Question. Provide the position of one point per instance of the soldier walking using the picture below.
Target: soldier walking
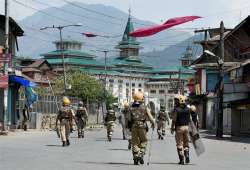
(26, 117)
(180, 124)
(81, 119)
(162, 118)
(64, 117)
(110, 121)
(139, 114)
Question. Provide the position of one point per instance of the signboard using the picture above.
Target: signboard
(4, 81)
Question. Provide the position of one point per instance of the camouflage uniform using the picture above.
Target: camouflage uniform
(81, 120)
(162, 118)
(139, 115)
(65, 117)
(110, 123)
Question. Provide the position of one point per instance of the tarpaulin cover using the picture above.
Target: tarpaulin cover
(144, 32)
(22, 81)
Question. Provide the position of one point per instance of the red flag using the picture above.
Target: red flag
(144, 32)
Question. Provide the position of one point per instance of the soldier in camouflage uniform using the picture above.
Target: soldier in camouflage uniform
(139, 114)
(110, 121)
(81, 119)
(162, 118)
(126, 113)
(64, 117)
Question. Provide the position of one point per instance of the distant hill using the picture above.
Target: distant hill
(171, 54)
(36, 42)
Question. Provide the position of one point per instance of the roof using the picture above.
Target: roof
(68, 40)
(69, 53)
(14, 27)
(27, 69)
(102, 72)
(171, 76)
(76, 61)
(131, 61)
(38, 63)
(174, 69)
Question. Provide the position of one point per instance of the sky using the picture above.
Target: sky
(157, 11)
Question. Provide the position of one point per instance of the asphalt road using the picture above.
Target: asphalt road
(37, 150)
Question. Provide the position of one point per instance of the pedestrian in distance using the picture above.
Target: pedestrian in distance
(110, 121)
(81, 119)
(162, 119)
(65, 117)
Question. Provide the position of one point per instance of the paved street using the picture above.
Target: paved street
(42, 150)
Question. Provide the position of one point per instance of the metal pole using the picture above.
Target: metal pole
(219, 132)
(62, 55)
(105, 68)
(5, 111)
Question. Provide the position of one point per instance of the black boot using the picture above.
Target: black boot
(67, 142)
(63, 144)
(136, 161)
(141, 160)
(181, 157)
(187, 159)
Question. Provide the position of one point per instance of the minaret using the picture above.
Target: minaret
(188, 57)
(128, 46)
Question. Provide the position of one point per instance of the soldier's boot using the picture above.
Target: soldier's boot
(163, 132)
(136, 161)
(129, 144)
(67, 142)
(141, 160)
(187, 159)
(181, 157)
(63, 143)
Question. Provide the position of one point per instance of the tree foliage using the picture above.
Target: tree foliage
(83, 86)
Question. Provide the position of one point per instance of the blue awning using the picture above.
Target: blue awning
(24, 82)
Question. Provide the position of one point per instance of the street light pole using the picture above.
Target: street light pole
(63, 61)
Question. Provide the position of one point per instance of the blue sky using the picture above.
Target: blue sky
(213, 11)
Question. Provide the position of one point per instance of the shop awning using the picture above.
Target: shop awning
(24, 82)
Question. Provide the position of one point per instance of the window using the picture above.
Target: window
(162, 102)
(127, 84)
(161, 91)
(170, 91)
(133, 84)
(153, 91)
(139, 89)
(120, 81)
(139, 85)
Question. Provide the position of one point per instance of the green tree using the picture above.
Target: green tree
(84, 87)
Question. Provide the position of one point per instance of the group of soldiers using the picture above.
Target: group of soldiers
(134, 120)
(65, 118)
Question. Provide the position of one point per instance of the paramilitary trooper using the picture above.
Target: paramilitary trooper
(162, 118)
(81, 119)
(194, 115)
(110, 121)
(127, 130)
(65, 116)
(180, 123)
(139, 114)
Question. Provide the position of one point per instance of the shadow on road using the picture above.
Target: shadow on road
(170, 163)
(105, 163)
(105, 139)
(118, 149)
(54, 145)
(211, 136)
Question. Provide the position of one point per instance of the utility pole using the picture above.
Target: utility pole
(63, 61)
(219, 131)
(5, 111)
